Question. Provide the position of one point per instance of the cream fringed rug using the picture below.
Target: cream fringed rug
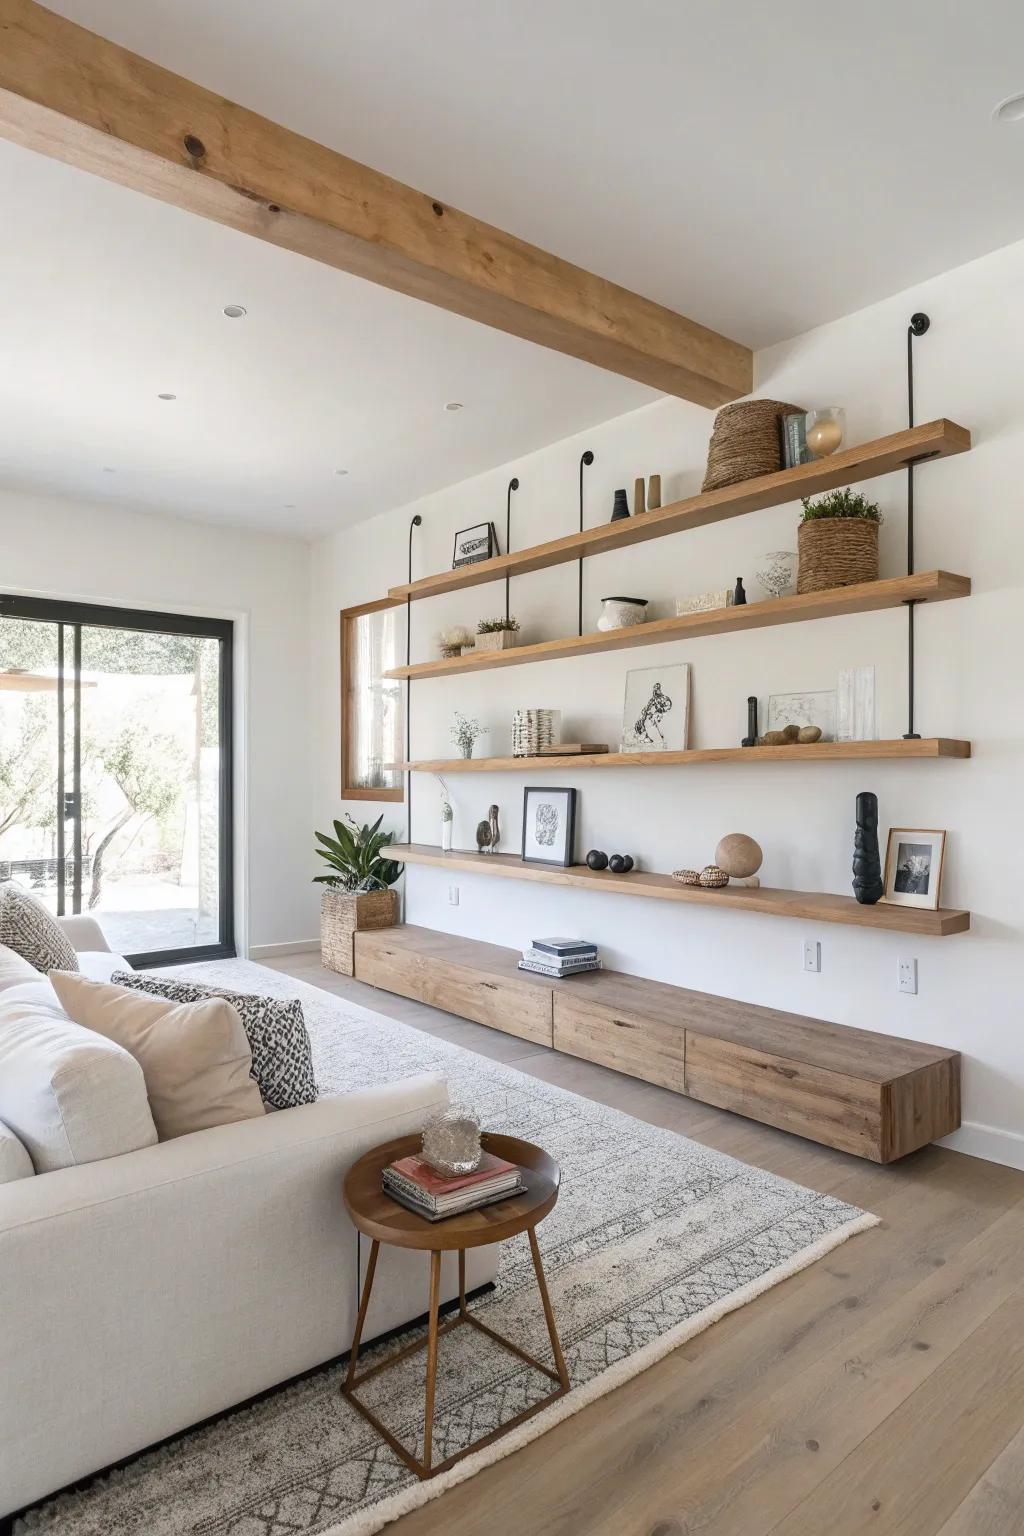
(653, 1238)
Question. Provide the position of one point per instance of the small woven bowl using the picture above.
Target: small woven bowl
(686, 876)
(712, 878)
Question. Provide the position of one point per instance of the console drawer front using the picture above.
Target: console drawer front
(830, 1107)
(627, 1042)
(518, 1008)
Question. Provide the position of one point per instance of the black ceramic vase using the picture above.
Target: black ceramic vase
(867, 867)
(620, 506)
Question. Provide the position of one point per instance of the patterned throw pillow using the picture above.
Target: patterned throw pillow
(282, 1061)
(28, 929)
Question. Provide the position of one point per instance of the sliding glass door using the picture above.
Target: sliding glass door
(116, 772)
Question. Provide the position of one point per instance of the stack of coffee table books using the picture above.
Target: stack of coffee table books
(420, 1188)
(559, 958)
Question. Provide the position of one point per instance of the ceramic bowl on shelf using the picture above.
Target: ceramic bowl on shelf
(622, 612)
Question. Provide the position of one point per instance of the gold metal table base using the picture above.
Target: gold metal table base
(425, 1468)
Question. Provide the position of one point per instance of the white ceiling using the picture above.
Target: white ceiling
(760, 168)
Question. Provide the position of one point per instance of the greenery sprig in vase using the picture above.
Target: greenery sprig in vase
(465, 733)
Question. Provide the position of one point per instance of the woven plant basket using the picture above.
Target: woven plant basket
(836, 552)
(342, 914)
(746, 441)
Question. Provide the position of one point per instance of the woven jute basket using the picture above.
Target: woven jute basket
(837, 552)
(746, 441)
(343, 913)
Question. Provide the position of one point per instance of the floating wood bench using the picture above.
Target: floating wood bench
(873, 1095)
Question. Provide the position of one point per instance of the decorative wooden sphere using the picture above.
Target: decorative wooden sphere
(712, 878)
(739, 855)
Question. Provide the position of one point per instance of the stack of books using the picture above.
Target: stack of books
(420, 1188)
(560, 957)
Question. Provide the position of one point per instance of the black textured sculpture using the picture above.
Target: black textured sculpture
(620, 506)
(867, 867)
(750, 739)
(596, 859)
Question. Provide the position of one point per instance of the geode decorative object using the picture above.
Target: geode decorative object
(451, 1141)
(867, 865)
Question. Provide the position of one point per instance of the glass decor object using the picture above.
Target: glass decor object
(824, 431)
(776, 572)
(451, 1141)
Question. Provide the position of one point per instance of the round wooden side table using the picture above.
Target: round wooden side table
(383, 1220)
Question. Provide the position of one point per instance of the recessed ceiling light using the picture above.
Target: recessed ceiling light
(108, 469)
(235, 311)
(1011, 110)
(289, 506)
(454, 405)
(341, 471)
(167, 397)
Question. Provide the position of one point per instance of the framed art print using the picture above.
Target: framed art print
(804, 709)
(913, 867)
(474, 544)
(656, 709)
(549, 826)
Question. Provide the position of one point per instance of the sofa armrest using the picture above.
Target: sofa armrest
(84, 933)
(146, 1292)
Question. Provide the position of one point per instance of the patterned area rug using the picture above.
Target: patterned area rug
(653, 1238)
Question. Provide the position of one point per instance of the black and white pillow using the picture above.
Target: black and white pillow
(32, 932)
(282, 1061)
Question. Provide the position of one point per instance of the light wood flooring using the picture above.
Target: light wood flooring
(880, 1391)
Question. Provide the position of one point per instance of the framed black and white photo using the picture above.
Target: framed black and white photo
(475, 544)
(913, 867)
(656, 711)
(549, 826)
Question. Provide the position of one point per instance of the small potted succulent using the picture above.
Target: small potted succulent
(838, 541)
(357, 892)
(497, 634)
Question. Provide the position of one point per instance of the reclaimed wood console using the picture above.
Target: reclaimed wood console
(874, 1095)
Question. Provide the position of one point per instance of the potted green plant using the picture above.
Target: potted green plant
(838, 541)
(496, 634)
(357, 892)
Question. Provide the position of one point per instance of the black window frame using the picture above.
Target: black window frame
(106, 616)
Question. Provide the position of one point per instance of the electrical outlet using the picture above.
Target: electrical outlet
(453, 895)
(907, 975)
(812, 955)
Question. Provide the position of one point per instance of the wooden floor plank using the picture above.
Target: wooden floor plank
(717, 1432)
(995, 1505)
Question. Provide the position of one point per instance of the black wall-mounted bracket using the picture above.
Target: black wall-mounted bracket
(919, 324)
(586, 460)
(513, 485)
(416, 522)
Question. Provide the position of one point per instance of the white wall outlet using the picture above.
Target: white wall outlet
(812, 954)
(453, 895)
(907, 975)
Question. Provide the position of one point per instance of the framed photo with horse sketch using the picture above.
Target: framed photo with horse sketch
(655, 716)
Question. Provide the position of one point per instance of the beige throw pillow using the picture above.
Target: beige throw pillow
(194, 1056)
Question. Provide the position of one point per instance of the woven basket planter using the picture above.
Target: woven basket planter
(497, 640)
(342, 914)
(836, 552)
(746, 441)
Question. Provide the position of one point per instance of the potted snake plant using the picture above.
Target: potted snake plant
(358, 890)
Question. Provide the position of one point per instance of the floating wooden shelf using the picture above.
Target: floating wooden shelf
(815, 906)
(866, 597)
(934, 440)
(813, 752)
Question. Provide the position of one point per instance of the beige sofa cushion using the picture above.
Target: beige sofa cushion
(195, 1056)
(14, 971)
(68, 1095)
(15, 1162)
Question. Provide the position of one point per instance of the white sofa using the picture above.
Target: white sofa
(143, 1293)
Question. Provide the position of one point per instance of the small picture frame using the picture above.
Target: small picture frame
(474, 544)
(913, 867)
(549, 826)
(656, 708)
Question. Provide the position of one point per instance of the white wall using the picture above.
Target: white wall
(57, 548)
(970, 519)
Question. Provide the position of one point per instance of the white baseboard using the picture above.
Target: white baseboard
(989, 1142)
(272, 951)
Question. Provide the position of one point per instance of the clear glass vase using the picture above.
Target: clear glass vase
(446, 834)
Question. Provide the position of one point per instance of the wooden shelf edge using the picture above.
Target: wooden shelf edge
(865, 461)
(816, 906)
(865, 597)
(927, 747)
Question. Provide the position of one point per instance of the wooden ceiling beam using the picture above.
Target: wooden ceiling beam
(72, 95)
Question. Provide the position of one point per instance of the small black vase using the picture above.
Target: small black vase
(867, 868)
(620, 506)
(739, 595)
(750, 739)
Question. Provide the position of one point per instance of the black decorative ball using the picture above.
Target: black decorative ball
(617, 864)
(627, 863)
(596, 859)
